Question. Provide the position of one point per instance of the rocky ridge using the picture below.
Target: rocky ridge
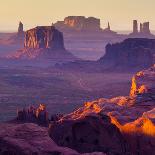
(132, 53)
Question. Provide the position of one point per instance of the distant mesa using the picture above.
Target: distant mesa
(133, 53)
(79, 23)
(44, 42)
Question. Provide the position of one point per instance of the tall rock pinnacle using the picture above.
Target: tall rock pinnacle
(20, 30)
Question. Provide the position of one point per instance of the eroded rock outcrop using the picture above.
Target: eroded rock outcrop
(130, 54)
(33, 115)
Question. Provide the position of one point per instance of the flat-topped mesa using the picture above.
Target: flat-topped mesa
(46, 37)
(79, 23)
(83, 23)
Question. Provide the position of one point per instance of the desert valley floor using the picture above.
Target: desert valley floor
(62, 91)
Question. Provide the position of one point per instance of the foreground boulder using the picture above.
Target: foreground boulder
(89, 134)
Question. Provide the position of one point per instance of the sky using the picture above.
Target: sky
(119, 13)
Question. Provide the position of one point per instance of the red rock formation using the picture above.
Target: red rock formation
(34, 115)
(44, 37)
(44, 43)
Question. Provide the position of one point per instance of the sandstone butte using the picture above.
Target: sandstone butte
(43, 43)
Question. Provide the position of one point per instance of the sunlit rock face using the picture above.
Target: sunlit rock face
(134, 53)
(44, 37)
(92, 133)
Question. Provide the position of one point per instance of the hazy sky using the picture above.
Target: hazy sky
(119, 13)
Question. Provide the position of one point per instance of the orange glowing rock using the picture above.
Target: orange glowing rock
(41, 108)
(142, 89)
(133, 90)
(140, 74)
(142, 125)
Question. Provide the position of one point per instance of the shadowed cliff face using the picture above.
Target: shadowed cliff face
(44, 37)
(131, 53)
